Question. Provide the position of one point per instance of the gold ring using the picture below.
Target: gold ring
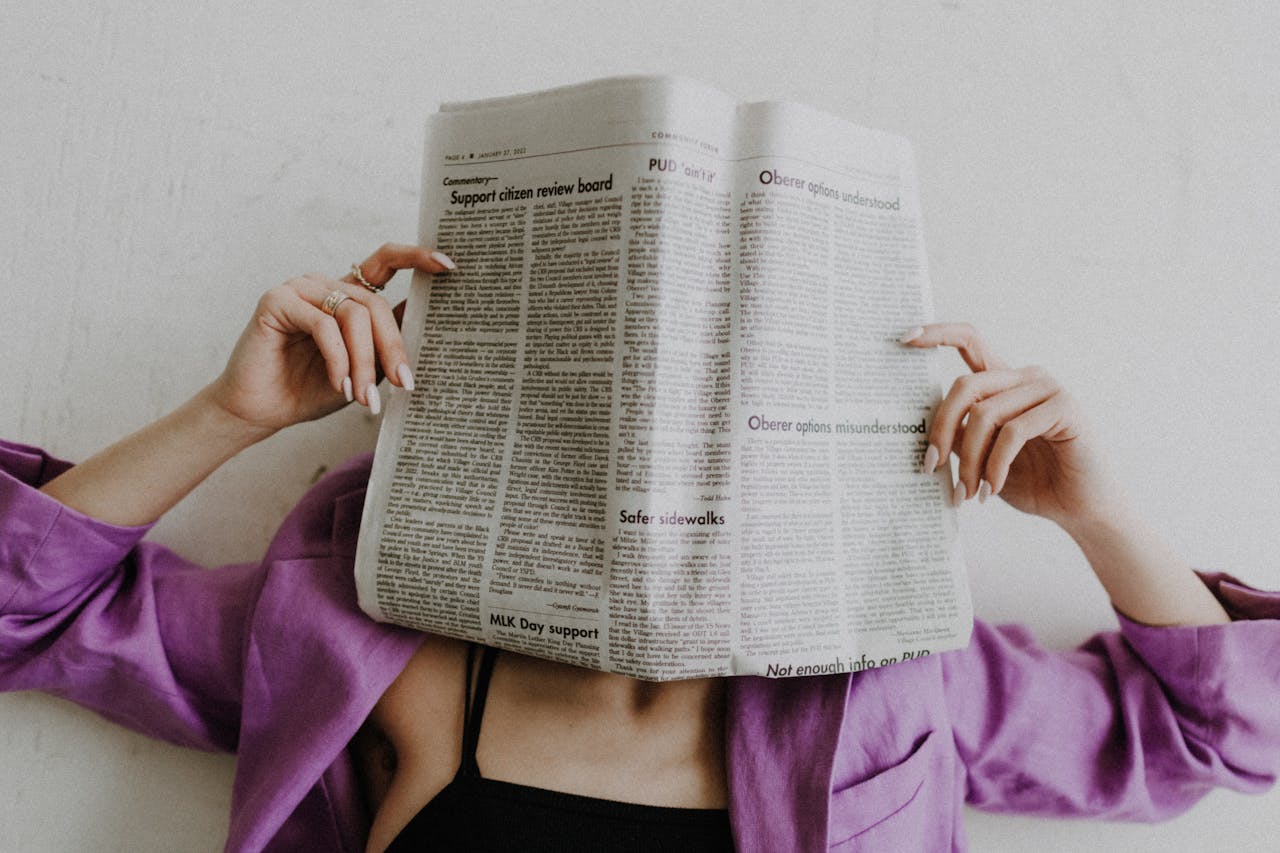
(364, 282)
(332, 301)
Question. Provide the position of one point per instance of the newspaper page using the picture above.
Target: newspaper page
(662, 426)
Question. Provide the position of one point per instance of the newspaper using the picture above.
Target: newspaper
(662, 425)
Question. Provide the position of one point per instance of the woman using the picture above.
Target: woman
(355, 735)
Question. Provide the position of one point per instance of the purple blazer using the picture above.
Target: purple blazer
(276, 662)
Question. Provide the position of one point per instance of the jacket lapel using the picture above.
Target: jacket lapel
(314, 667)
(781, 736)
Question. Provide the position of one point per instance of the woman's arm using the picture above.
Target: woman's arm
(132, 629)
(137, 479)
(1017, 434)
(294, 362)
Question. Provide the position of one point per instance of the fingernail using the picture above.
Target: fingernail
(406, 377)
(930, 459)
(346, 388)
(908, 337)
(375, 402)
(984, 491)
(961, 492)
(444, 260)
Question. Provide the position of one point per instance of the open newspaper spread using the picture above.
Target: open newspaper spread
(662, 425)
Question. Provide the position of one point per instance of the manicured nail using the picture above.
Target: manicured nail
(375, 402)
(444, 260)
(346, 388)
(908, 337)
(406, 377)
(960, 494)
(930, 459)
(984, 491)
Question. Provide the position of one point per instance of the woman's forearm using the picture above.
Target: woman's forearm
(1145, 579)
(139, 478)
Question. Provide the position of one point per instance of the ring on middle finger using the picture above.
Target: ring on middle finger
(332, 301)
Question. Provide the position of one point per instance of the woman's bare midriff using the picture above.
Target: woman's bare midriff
(545, 724)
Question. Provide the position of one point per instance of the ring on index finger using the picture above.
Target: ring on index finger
(364, 282)
(332, 301)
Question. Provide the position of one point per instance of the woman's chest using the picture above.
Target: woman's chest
(535, 730)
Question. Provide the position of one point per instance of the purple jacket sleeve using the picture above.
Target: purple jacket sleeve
(129, 629)
(1136, 724)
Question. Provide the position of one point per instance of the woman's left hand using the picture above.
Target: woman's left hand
(1016, 433)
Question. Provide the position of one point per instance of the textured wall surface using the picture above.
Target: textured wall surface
(1101, 187)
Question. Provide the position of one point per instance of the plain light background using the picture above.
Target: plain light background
(1100, 182)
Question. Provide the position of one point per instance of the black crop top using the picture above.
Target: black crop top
(473, 813)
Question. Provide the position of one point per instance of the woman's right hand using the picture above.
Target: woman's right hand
(295, 362)
(292, 363)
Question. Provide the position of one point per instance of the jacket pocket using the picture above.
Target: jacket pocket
(869, 803)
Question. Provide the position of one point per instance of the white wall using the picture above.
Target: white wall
(1101, 189)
